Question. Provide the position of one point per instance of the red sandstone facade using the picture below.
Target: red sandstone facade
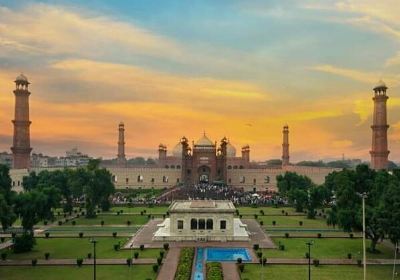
(285, 146)
(121, 159)
(379, 152)
(21, 148)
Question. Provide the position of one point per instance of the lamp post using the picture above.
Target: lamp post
(93, 241)
(395, 259)
(364, 196)
(309, 244)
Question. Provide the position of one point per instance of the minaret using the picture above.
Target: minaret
(379, 152)
(121, 159)
(21, 148)
(285, 146)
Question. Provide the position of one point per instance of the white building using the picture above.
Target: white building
(202, 220)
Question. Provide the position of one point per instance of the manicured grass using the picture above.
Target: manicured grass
(104, 272)
(110, 220)
(326, 272)
(137, 209)
(268, 210)
(73, 231)
(325, 248)
(71, 248)
(293, 221)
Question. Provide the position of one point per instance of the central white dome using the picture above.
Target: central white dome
(204, 141)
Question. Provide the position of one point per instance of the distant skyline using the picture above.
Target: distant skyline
(240, 69)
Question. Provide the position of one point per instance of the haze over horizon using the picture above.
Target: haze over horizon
(232, 68)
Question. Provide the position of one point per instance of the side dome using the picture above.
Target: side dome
(230, 150)
(177, 150)
(204, 141)
(21, 79)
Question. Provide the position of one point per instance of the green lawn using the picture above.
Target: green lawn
(268, 210)
(324, 248)
(110, 220)
(137, 209)
(73, 231)
(104, 272)
(293, 221)
(71, 248)
(326, 272)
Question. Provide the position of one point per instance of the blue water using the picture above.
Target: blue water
(227, 254)
(199, 265)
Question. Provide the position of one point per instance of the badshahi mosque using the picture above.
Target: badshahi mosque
(201, 161)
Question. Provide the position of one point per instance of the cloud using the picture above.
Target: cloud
(357, 75)
(55, 30)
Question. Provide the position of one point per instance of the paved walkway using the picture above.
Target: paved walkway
(230, 271)
(257, 234)
(6, 244)
(73, 262)
(168, 269)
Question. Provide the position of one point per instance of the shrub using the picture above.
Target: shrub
(45, 222)
(117, 213)
(316, 262)
(237, 212)
(300, 223)
(117, 247)
(3, 256)
(47, 234)
(23, 243)
(144, 211)
(121, 211)
(239, 260)
(79, 262)
(273, 223)
(58, 213)
(241, 267)
(283, 211)
(2, 239)
(128, 223)
(114, 234)
(34, 262)
(80, 234)
(307, 255)
(286, 213)
(13, 234)
(166, 246)
(162, 254)
(141, 213)
(261, 223)
(264, 261)
(262, 212)
(129, 261)
(319, 235)
(47, 255)
(240, 216)
(73, 223)
(351, 235)
(286, 234)
(282, 247)
(65, 215)
(359, 263)
(214, 271)
(102, 223)
(141, 247)
(155, 267)
(59, 223)
(89, 255)
(163, 216)
(349, 256)
(136, 254)
(66, 220)
(255, 216)
(159, 261)
(259, 254)
(184, 269)
(256, 247)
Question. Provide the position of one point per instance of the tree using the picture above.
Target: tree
(7, 215)
(295, 187)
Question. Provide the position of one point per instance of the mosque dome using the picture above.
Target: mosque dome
(204, 141)
(177, 150)
(22, 78)
(380, 84)
(230, 150)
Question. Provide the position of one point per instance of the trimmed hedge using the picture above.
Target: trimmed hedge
(214, 271)
(184, 269)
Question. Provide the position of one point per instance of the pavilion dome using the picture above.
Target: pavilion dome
(204, 141)
(177, 150)
(21, 78)
(230, 150)
(380, 84)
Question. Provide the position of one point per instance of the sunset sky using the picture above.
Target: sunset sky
(240, 69)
